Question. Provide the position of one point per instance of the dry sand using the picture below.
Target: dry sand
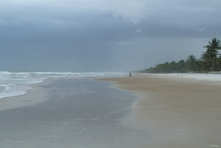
(180, 112)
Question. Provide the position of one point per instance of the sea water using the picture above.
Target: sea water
(18, 83)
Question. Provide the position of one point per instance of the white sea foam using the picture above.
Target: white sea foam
(17, 83)
(197, 76)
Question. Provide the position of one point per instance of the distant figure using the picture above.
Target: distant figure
(130, 74)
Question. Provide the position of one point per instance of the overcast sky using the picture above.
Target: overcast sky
(103, 35)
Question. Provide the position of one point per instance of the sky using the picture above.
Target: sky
(103, 35)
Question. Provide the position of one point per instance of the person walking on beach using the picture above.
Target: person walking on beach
(130, 74)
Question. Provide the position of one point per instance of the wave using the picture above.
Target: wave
(17, 83)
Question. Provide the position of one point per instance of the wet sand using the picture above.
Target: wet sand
(179, 112)
(34, 96)
(71, 113)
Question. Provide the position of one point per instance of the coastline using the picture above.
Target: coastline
(77, 113)
(170, 111)
(31, 97)
(182, 112)
(37, 94)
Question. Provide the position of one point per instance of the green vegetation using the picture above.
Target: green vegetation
(209, 61)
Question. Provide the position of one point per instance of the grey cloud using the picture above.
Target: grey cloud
(105, 15)
(103, 34)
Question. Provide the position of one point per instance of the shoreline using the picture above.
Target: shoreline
(182, 112)
(37, 94)
(78, 113)
(173, 111)
(31, 97)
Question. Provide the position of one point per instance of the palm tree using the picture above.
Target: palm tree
(206, 60)
(191, 63)
(212, 48)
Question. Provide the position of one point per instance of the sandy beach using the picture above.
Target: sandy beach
(142, 111)
(181, 112)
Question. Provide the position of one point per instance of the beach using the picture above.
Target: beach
(70, 113)
(145, 110)
(182, 112)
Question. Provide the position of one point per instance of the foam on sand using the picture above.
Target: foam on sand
(33, 96)
(197, 76)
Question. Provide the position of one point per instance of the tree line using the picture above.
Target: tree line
(210, 60)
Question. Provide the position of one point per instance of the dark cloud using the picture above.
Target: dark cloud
(89, 35)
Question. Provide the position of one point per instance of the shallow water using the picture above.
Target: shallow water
(80, 113)
(17, 83)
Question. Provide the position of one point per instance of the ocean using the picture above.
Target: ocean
(17, 83)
